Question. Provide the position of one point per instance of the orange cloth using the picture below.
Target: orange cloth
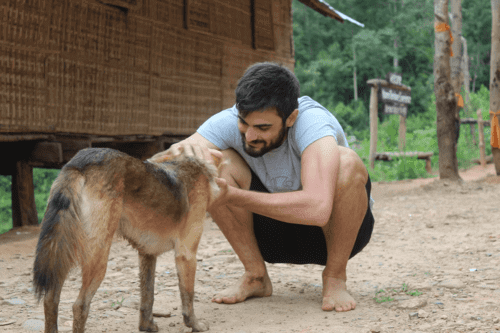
(460, 100)
(495, 130)
(441, 27)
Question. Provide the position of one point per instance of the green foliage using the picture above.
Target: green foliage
(42, 179)
(382, 295)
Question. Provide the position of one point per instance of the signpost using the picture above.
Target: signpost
(396, 97)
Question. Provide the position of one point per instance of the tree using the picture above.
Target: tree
(445, 96)
(495, 80)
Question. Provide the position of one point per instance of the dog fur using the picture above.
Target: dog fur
(157, 207)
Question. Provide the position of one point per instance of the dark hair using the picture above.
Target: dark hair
(266, 85)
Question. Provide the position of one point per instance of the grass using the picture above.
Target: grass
(383, 296)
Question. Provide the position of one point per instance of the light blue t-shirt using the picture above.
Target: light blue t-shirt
(279, 169)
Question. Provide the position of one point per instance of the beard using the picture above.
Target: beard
(258, 152)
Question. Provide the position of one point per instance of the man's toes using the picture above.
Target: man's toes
(327, 305)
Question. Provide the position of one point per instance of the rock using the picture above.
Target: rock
(413, 315)
(452, 284)
(487, 286)
(131, 303)
(115, 314)
(422, 314)
(5, 323)
(415, 303)
(439, 304)
(34, 325)
(423, 286)
(375, 330)
(162, 314)
(15, 301)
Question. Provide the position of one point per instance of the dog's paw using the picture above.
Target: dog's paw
(148, 327)
(200, 326)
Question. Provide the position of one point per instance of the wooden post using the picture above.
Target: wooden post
(373, 124)
(402, 133)
(23, 196)
(482, 149)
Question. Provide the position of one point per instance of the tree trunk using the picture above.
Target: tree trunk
(456, 61)
(446, 103)
(495, 73)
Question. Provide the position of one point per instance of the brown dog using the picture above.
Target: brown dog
(155, 206)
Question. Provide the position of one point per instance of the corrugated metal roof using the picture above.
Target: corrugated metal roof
(322, 7)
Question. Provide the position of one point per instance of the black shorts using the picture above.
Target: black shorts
(281, 242)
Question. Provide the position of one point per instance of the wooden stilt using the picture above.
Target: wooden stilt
(23, 196)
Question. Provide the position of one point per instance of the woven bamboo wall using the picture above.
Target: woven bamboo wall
(81, 66)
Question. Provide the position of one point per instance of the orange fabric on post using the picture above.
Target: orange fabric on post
(441, 27)
(460, 100)
(495, 130)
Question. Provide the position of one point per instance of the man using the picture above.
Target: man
(292, 190)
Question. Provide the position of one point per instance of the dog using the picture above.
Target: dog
(156, 206)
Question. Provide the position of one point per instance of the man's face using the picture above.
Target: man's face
(262, 132)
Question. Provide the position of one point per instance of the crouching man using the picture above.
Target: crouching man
(292, 190)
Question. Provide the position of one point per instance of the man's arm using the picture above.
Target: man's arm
(194, 145)
(310, 206)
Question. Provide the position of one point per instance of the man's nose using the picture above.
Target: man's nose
(251, 135)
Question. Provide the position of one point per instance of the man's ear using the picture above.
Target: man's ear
(291, 118)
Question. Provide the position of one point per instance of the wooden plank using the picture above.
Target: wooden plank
(486, 123)
(24, 137)
(387, 156)
(384, 83)
(401, 110)
(47, 152)
(71, 147)
(389, 95)
(23, 196)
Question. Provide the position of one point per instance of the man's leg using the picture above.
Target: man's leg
(237, 225)
(349, 209)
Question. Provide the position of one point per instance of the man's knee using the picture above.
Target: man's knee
(352, 169)
(235, 169)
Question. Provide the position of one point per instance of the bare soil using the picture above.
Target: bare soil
(433, 265)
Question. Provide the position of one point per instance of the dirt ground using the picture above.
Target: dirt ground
(433, 265)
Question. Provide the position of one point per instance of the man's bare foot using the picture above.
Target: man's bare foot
(247, 286)
(335, 295)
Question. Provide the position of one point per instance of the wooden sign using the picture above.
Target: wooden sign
(401, 109)
(395, 78)
(395, 96)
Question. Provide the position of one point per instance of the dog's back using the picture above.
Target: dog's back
(155, 206)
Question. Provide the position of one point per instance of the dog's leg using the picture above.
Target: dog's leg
(92, 275)
(186, 270)
(51, 309)
(147, 267)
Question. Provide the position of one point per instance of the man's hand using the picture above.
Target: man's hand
(187, 148)
(224, 194)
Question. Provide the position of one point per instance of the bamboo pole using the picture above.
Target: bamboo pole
(373, 124)
(482, 149)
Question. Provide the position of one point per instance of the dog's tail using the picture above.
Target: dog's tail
(62, 240)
